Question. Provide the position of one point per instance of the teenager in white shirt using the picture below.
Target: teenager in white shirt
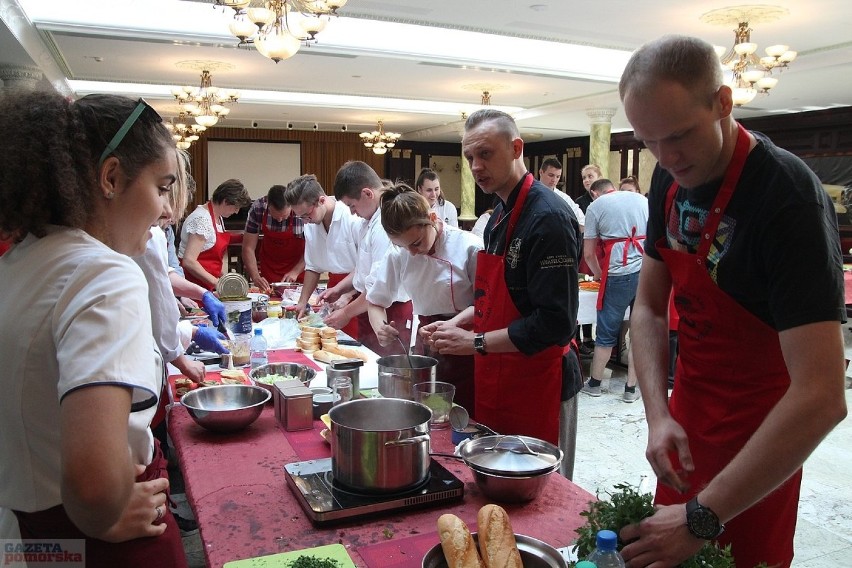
(429, 186)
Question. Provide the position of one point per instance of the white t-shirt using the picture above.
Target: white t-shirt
(581, 218)
(334, 251)
(73, 313)
(374, 246)
(441, 283)
(199, 223)
(613, 216)
(446, 213)
(154, 263)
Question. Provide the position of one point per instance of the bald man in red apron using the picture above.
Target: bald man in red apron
(759, 378)
(525, 290)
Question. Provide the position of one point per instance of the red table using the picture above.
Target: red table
(236, 486)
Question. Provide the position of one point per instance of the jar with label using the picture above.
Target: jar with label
(273, 310)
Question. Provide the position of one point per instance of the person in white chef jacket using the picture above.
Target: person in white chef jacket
(360, 188)
(332, 234)
(429, 186)
(436, 264)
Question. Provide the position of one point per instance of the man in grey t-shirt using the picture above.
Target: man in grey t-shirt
(613, 247)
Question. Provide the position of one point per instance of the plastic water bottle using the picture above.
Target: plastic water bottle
(606, 555)
(585, 564)
(257, 349)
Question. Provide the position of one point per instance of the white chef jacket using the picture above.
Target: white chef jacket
(440, 283)
(374, 247)
(334, 251)
(581, 217)
(154, 263)
(446, 213)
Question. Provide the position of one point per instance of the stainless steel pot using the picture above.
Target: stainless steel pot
(399, 373)
(509, 456)
(380, 445)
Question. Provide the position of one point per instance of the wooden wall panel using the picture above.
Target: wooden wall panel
(322, 153)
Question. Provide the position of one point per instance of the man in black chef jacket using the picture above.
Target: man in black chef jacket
(526, 292)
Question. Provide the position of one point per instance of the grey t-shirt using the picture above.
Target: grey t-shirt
(614, 216)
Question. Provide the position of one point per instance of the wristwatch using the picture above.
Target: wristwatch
(701, 521)
(479, 343)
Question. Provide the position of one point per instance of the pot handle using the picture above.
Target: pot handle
(408, 441)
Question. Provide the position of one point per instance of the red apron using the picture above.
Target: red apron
(211, 259)
(351, 328)
(163, 550)
(730, 374)
(455, 369)
(604, 252)
(515, 393)
(279, 251)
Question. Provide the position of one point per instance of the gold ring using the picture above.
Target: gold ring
(159, 513)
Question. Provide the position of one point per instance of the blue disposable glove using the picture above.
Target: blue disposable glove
(214, 308)
(208, 339)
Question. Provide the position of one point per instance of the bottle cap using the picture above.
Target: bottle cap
(585, 564)
(258, 331)
(606, 540)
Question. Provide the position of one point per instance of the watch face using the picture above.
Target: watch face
(703, 523)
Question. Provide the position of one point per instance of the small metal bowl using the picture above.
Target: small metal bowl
(534, 554)
(300, 372)
(225, 408)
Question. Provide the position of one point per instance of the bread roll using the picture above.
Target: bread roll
(328, 333)
(459, 548)
(497, 539)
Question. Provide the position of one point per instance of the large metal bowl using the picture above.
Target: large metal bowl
(511, 489)
(296, 370)
(225, 408)
(534, 554)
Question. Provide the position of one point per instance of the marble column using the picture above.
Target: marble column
(601, 128)
(468, 193)
(19, 76)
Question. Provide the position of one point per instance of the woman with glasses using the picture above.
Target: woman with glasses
(81, 183)
(436, 264)
(429, 186)
(203, 238)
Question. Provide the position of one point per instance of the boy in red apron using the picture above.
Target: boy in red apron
(525, 290)
(759, 378)
(280, 256)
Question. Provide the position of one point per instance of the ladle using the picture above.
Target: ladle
(404, 350)
(460, 419)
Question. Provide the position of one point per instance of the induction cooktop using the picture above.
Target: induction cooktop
(325, 501)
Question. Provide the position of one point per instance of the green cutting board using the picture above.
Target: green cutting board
(335, 552)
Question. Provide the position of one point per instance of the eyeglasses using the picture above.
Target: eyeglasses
(141, 106)
(307, 216)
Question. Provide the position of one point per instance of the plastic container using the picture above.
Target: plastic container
(585, 564)
(257, 349)
(606, 554)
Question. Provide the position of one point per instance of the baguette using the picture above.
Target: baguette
(497, 539)
(347, 352)
(326, 357)
(457, 544)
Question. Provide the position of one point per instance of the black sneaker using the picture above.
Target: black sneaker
(188, 527)
(586, 351)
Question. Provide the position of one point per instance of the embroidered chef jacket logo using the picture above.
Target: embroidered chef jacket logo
(514, 253)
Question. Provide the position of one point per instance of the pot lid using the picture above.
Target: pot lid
(232, 285)
(510, 455)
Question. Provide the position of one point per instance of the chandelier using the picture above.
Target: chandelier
(278, 27)
(184, 132)
(750, 74)
(378, 140)
(206, 103)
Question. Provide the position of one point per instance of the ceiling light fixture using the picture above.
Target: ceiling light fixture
(277, 28)
(378, 140)
(750, 74)
(206, 103)
(183, 132)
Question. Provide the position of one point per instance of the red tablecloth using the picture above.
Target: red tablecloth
(847, 283)
(235, 484)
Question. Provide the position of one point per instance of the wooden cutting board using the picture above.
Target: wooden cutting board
(335, 552)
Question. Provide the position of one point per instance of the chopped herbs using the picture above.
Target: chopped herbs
(313, 562)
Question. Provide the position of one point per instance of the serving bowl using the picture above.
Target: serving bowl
(297, 371)
(534, 554)
(225, 408)
(511, 489)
